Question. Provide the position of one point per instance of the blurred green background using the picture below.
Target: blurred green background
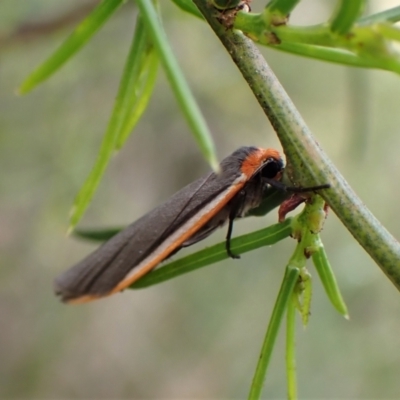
(199, 335)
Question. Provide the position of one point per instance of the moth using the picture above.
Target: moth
(187, 217)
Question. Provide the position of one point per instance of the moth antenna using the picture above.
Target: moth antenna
(284, 188)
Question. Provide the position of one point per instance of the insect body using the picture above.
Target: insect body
(187, 217)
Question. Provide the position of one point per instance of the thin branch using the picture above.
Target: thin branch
(309, 165)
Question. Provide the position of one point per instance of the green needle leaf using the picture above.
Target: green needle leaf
(178, 83)
(306, 294)
(284, 298)
(327, 277)
(122, 108)
(213, 254)
(391, 15)
(291, 348)
(86, 29)
(140, 94)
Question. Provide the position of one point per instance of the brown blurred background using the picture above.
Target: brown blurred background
(197, 336)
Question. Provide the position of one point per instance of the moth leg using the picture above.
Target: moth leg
(237, 206)
(228, 239)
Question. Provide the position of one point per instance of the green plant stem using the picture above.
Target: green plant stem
(389, 31)
(363, 47)
(338, 56)
(284, 297)
(345, 15)
(309, 165)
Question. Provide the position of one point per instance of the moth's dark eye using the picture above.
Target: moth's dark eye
(271, 168)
